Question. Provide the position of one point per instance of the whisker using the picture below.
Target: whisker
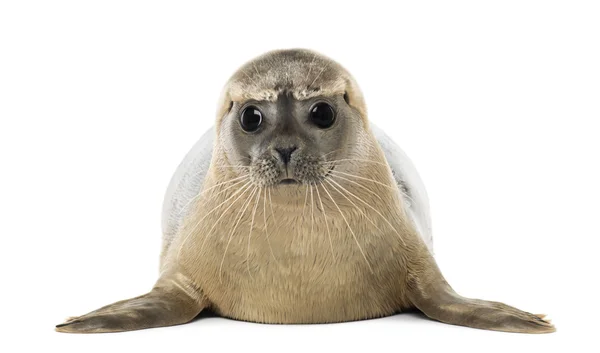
(323, 69)
(278, 225)
(339, 149)
(305, 199)
(221, 216)
(326, 223)
(239, 218)
(297, 235)
(312, 215)
(353, 204)
(357, 160)
(273, 212)
(243, 177)
(206, 215)
(251, 79)
(250, 233)
(359, 185)
(349, 228)
(371, 207)
(366, 179)
(266, 230)
(346, 145)
(310, 68)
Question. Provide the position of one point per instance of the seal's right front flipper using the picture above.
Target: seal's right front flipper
(163, 306)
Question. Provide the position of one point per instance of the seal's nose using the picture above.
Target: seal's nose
(286, 153)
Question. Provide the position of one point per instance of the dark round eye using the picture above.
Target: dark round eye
(322, 115)
(251, 119)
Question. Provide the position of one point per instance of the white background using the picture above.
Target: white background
(497, 103)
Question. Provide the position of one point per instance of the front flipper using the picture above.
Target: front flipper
(165, 305)
(431, 294)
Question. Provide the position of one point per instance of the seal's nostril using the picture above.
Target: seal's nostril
(286, 153)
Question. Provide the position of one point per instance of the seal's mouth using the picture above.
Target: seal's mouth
(329, 171)
(294, 181)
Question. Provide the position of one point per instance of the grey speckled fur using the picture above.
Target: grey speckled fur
(189, 176)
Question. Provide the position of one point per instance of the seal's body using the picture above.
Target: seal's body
(295, 209)
(302, 256)
(188, 180)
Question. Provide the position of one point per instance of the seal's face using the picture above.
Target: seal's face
(288, 141)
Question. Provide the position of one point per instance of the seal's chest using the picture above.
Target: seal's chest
(300, 240)
(266, 267)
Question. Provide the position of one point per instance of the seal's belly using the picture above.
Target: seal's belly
(303, 275)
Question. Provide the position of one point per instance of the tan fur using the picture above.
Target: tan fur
(300, 254)
(295, 285)
(303, 73)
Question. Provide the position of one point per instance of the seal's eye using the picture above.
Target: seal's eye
(322, 115)
(251, 119)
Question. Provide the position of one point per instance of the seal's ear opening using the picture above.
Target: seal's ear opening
(230, 106)
(346, 98)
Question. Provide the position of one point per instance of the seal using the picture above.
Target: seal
(295, 209)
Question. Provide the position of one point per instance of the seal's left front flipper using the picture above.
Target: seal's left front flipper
(430, 293)
(163, 306)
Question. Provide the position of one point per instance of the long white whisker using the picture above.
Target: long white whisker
(239, 218)
(353, 204)
(323, 69)
(372, 208)
(250, 232)
(366, 179)
(266, 230)
(312, 214)
(305, 199)
(349, 228)
(359, 185)
(296, 236)
(243, 177)
(310, 68)
(345, 147)
(222, 215)
(206, 215)
(326, 223)
(251, 79)
(278, 225)
(272, 212)
(357, 160)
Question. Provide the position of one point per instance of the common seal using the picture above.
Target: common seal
(295, 209)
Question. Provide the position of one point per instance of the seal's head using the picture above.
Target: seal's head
(287, 115)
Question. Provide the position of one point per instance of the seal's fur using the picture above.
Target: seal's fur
(346, 242)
